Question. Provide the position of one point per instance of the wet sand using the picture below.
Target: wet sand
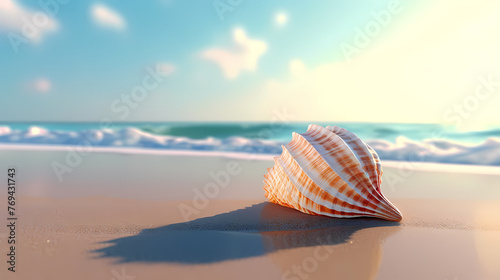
(124, 217)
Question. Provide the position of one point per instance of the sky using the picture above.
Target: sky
(237, 60)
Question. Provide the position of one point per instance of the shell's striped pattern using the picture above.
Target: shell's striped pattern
(329, 171)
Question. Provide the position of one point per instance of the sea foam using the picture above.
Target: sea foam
(403, 149)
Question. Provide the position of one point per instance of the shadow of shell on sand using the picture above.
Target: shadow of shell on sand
(343, 249)
(285, 235)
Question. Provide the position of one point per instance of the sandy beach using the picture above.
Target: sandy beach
(249, 140)
(153, 216)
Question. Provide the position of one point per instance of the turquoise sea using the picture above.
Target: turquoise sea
(393, 141)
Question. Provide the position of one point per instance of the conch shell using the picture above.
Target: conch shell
(331, 172)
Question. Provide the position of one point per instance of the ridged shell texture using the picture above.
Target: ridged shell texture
(329, 171)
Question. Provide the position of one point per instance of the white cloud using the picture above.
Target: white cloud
(415, 72)
(281, 19)
(32, 25)
(42, 85)
(106, 17)
(244, 57)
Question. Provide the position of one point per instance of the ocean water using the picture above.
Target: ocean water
(403, 142)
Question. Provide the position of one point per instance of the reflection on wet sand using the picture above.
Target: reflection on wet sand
(340, 249)
(358, 257)
(487, 242)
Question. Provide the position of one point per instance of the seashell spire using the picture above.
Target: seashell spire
(329, 171)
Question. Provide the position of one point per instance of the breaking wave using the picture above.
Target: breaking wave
(402, 149)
